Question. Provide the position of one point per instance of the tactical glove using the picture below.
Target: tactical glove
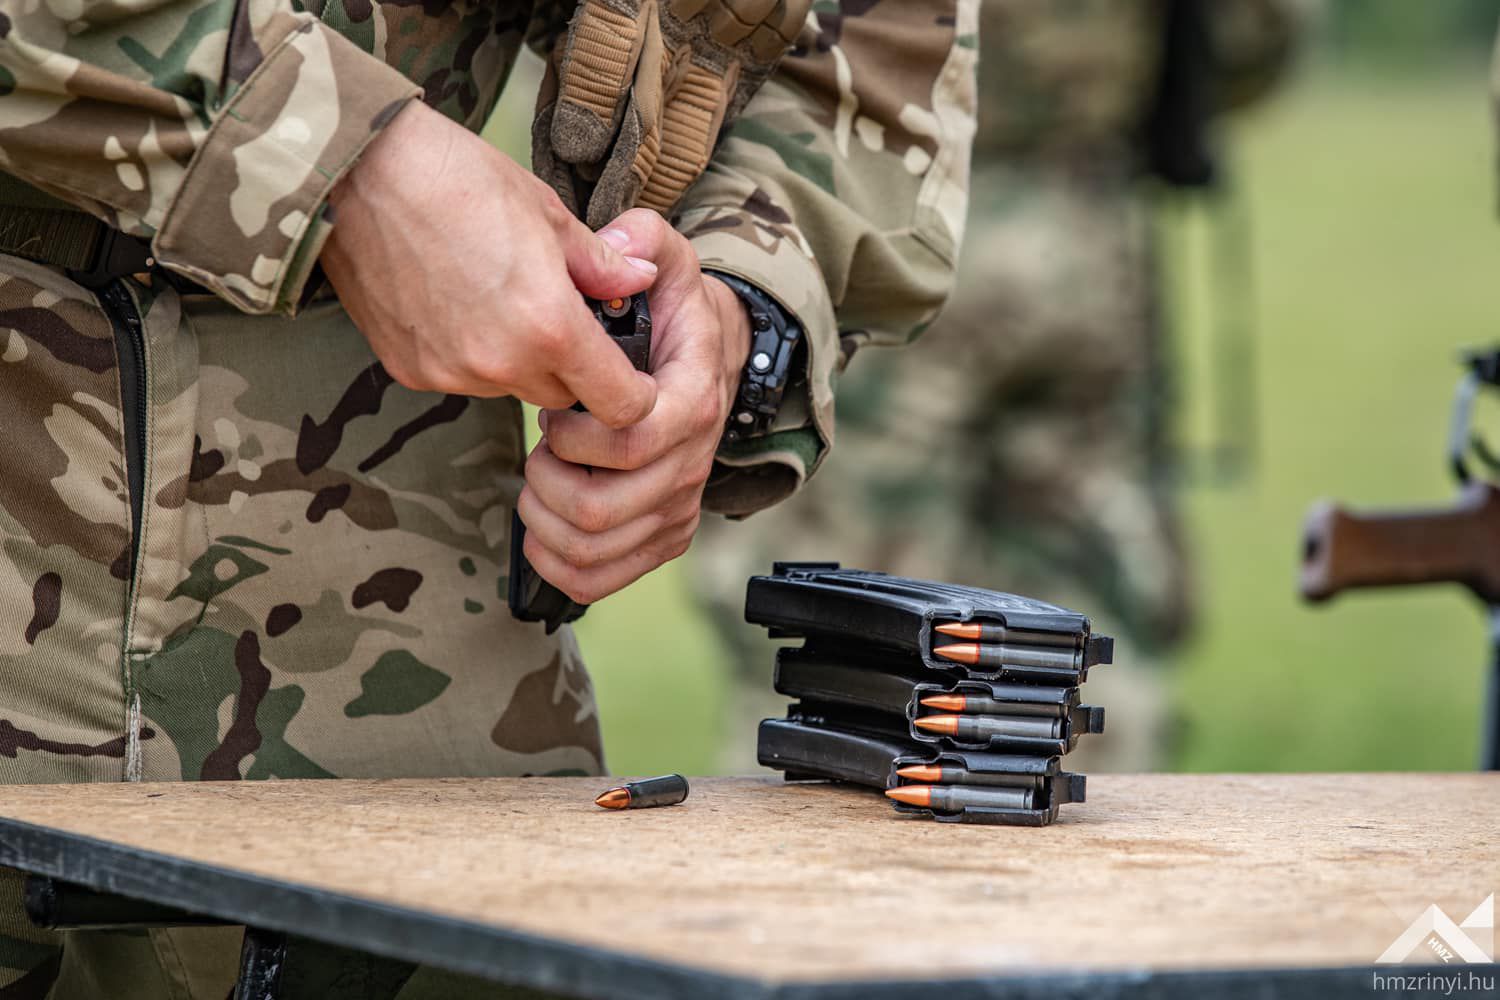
(637, 92)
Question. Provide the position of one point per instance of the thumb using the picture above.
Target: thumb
(598, 268)
(645, 234)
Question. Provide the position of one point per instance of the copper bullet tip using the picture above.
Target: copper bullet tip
(962, 630)
(961, 652)
(921, 772)
(945, 724)
(946, 702)
(614, 798)
(912, 795)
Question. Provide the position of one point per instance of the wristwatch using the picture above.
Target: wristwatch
(775, 337)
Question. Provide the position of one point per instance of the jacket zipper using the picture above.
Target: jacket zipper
(130, 347)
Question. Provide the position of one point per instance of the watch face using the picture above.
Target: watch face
(769, 367)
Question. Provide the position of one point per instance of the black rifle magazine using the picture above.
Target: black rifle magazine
(890, 684)
(880, 696)
(1023, 736)
(873, 679)
(1016, 723)
(1053, 787)
(806, 751)
(853, 609)
(529, 596)
(848, 719)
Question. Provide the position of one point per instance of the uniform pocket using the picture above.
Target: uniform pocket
(65, 532)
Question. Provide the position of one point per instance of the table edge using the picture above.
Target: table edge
(507, 955)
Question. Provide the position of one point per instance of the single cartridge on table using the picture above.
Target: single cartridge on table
(667, 790)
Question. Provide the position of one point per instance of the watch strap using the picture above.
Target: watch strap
(775, 336)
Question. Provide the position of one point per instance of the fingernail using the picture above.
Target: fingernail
(618, 239)
(642, 265)
(541, 420)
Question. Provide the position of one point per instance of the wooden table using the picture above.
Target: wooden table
(1158, 886)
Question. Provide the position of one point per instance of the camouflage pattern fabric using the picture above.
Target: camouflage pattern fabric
(877, 99)
(320, 579)
(217, 127)
(316, 588)
(1016, 445)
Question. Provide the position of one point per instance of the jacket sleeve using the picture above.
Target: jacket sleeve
(214, 128)
(841, 193)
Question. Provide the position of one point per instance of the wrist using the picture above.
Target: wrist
(386, 165)
(734, 324)
(377, 155)
(775, 354)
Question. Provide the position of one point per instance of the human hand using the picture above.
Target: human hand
(603, 506)
(463, 271)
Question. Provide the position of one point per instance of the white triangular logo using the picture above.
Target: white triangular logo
(1437, 930)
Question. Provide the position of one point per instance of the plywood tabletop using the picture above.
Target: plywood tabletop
(770, 882)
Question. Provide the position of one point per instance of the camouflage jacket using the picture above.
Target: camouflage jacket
(1076, 80)
(216, 128)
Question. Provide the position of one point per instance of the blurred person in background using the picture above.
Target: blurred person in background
(1019, 445)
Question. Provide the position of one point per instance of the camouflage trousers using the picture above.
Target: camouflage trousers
(316, 588)
(1011, 447)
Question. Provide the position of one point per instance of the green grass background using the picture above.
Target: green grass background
(1376, 256)
(1375, 249)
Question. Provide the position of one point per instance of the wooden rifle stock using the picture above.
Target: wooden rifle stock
(1344, 549)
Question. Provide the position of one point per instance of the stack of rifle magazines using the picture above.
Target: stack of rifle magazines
(960, 701)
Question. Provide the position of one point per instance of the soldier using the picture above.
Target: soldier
(1016, 445)
(252, 528)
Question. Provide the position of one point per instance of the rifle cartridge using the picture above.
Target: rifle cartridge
(978, 704)
(993, 657)
(976, 632)
(667, 790)
(957, 798)
(947, 774)
(982, 728)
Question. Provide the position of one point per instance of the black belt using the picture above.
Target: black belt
(41, 228)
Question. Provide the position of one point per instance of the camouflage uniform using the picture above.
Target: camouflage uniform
(1016, 445)
(317, 584)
